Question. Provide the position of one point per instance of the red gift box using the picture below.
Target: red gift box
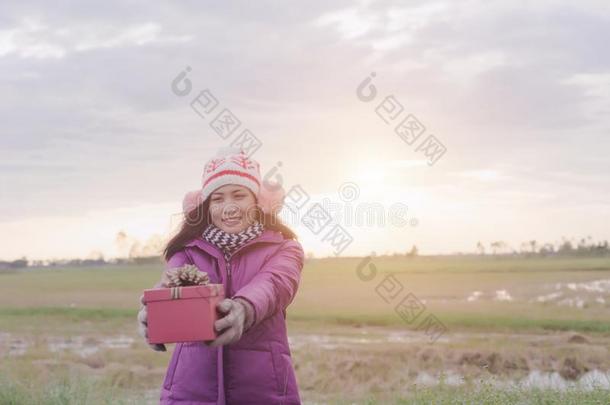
(182, 314)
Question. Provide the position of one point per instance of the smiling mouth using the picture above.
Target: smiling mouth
(232, 220)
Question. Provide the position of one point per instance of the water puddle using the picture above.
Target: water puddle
(331, 342)
(88, 346)
(497, 295)
(83, 346)
(594, 379)
(577, 295)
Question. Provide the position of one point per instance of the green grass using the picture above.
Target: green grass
(459, 396)
(76, 390)
(14, 316)
(331, 291)
(487, 394)
(69, 314)
(79, 390)
(456, 322)
(66, 320)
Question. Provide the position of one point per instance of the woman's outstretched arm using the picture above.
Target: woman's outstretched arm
(273, 288)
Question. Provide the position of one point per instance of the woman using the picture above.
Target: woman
(231, 231)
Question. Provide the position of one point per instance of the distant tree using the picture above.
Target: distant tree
(135, 250)
(582, 247)
(533, 245)
(123, 243)
(413, 252)
(524, 247)
(497, 246)
(95, 255)
(547, 249)
(19, 263)
(480, 248)
(565, 247)
(145, 259)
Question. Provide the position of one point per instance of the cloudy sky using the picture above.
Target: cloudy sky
(94, 140)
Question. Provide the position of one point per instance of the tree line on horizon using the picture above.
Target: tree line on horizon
(565, 247)
(585, 247)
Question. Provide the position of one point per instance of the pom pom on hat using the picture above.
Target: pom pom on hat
(191, 200)
(271, 197)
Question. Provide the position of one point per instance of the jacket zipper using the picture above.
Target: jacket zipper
(228, 265)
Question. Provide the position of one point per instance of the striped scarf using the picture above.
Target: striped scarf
(229, 242)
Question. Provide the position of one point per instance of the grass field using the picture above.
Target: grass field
(514, 330)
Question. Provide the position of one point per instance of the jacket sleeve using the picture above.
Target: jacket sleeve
(273, 288)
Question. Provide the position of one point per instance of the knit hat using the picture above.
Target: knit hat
(230, 166)
(233, 166)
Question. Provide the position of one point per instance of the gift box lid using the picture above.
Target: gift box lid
(183, 292)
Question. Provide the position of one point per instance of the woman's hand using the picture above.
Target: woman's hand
(233, 324)
(143, 327)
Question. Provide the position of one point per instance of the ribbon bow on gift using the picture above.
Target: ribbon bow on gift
(187, 275)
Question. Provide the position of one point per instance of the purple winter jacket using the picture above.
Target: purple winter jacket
(257, 369)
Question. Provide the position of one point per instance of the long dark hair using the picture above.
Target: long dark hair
(197, 219)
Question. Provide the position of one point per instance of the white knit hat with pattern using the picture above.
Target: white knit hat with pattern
(230, 166)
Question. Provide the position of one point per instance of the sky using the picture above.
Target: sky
(94, 141)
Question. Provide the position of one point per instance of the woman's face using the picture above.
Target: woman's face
(232, 208)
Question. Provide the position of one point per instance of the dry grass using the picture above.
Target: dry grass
(345, 337)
